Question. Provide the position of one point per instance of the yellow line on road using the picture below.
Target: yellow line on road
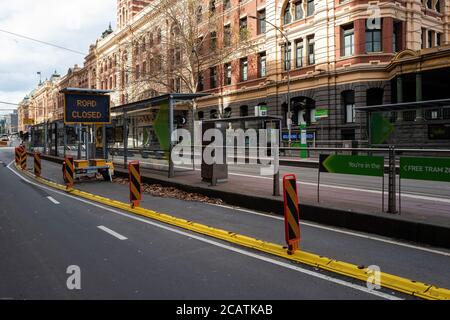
(414, 288)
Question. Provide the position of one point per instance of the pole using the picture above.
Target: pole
(80, 137)
(125, 140)
(392, 178)
(104, 143)
(171, 167)
(65, 139)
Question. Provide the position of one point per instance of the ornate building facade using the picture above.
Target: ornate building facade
(303, 56)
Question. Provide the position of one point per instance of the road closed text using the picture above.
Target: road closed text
(87, 109)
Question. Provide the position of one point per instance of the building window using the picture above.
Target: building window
(213, 114)
(226, 4)
(299, 13)
(348, 98)
(409, 115)
(311, 50)
(373, 39)
(262, 21)
(438, 39)
(287, 56)
(138, 73)
(262, 65)
(243, 31)
(201, 115)
(430, 39)
(200, 83)
(244, 69)
(213, 40)
(228, 74)
(227, 112)
(287, 17)
(213, 77)
(348, 34)
(396, 37)
(199, 14)
(299, 53)
(177, 85)
(227, 35)
(243, 111)
(212, 6)
(310, 8)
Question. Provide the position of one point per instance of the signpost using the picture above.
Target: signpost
(420, 168)
(321, 114)
(353, 165)
(431, 169)
(303, 141)
(87, 109)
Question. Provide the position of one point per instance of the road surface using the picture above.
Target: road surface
(44, 232)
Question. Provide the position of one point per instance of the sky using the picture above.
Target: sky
(67, 23)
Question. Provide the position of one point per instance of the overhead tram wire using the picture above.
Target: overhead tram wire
(42, 42)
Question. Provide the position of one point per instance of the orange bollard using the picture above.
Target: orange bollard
(291, 213)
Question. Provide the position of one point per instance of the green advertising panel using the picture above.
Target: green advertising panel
(321, 114)
(380, 128)
(432, 169)
(161, 126)
(356, 165)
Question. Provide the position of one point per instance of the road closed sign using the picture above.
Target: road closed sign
(432, 169)
(355, 165)
(87, 109)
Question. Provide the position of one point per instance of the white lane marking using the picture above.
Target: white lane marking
(350, 233)
(113, 233)
(53, 200)
(221, 245)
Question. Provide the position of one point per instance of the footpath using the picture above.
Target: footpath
(428, 223)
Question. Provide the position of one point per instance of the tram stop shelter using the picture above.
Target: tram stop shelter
(142, 129)
(410, 124)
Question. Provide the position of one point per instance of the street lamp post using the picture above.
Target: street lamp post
(286, 47)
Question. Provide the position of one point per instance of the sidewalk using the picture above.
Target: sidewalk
(430, 225)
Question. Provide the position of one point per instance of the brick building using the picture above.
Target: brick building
(341, 55)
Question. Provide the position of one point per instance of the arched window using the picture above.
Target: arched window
(243, 111)
(227, 112)
(158, 36)
(287, 16)
(213, 114)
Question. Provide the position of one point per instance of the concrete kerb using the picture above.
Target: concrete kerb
(396, 227)
(399, 284)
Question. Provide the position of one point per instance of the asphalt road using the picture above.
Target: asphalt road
(125, 257)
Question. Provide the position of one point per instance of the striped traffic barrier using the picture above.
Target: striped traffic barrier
(135, 184)
(37, 164)
(17, 155)
(291, 213)
(69, 170)
(23, 157)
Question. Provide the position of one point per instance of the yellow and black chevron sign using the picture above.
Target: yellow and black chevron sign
(69, 171)
(291, 213)
(135, 183)
(18, 155)
(23, 158)
(37, 164)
